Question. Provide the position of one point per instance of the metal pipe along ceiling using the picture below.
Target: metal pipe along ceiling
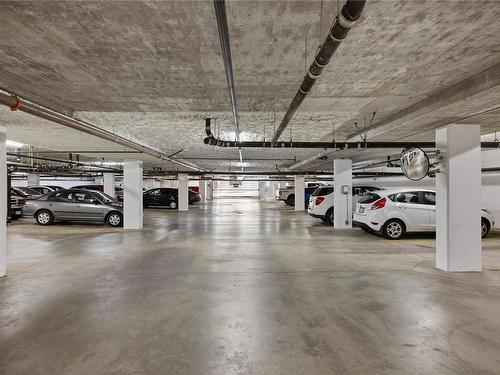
(349, 14)
(15, 103)
(210, 139)
(220, 15)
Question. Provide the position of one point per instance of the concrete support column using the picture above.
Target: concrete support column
(300, 191)
(33, 179)
(182, 186)
(132, 195)
(210, 190)
(342, 193)
(458, 198)
(262, 190)
(203, 190)
(109, 184)
(3, 202)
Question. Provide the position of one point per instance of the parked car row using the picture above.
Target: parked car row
(167, 197)
(287, 194)
(391, 213)
(84, 203)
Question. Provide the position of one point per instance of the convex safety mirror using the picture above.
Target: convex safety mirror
(415, 163)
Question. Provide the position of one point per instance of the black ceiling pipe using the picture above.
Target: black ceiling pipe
(348, 16)
(211, 140)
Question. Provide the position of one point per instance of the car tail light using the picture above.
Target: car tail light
(379, 204)
(319, 200)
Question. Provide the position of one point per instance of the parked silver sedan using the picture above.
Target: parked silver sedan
(74, 205)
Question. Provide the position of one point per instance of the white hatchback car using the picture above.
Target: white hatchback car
(394, 212)
(321, 201)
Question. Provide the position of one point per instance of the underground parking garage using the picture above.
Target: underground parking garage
(236, 187)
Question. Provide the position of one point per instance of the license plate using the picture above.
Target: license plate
(361, 210)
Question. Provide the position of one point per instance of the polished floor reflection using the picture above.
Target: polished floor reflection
(241, 287)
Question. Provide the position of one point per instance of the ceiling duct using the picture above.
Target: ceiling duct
(346, 19)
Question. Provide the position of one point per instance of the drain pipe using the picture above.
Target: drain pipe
(220, 15)
(17, 104)
(346, 19)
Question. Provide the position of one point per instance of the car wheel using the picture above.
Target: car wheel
(394, 229)
(115, 219)
(291, 200)
(329, 216)
(44, 217)
(173, 205)
(485, 228)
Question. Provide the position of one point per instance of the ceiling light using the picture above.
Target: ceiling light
(10, 143)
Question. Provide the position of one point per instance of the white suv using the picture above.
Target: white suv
(321, 201)
(394, 212)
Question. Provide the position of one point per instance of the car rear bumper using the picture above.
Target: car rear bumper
(364, 225)
(316, 216)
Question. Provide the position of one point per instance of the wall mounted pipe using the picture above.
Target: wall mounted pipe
(347, 17)
(15, 103)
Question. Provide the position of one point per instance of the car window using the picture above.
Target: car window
(322, 191)
(369, 198)
(82, 197)
(154, 192)
(411, 197)
(429, 197)
(357, 190)
(62, 196)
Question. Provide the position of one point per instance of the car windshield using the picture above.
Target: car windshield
(323, 191)
(105, 198)
(28, 191)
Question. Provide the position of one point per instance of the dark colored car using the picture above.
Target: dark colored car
(74, 205)
(97, 187)
(167, 197)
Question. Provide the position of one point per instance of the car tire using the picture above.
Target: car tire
(115, 219)
(44, 217)
(173, 205)
(329, 216)
(485, 227)
(367, 230)
(291, 200)
(393, 229)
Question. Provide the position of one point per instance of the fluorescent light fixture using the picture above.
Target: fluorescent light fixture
(108, 163)
(10, 143)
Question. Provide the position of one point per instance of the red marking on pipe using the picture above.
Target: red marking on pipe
(16, 106)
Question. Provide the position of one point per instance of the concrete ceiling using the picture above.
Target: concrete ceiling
(152, 71)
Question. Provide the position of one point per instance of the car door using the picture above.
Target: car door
(429, 199)
(414, 212)
(87, 206)
(152, 197)
(61, 204)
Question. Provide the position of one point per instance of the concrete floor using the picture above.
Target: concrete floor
(241, 287)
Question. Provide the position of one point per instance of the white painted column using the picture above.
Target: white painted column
(109, 184)
(262, 190)
(3, 203)
(458, 198)
(203, 190)
(300, 192)
(210, 190)
(182, 186)
(342, 203)
(33, 179)
(132, 195)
